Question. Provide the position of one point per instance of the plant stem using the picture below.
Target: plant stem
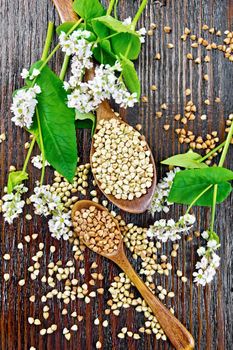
(29, 154)
(196, 199)
(48, 41)
(211, 152)
(139, 12)
(215, 192)
(41, 147)
(58, 45)
(64, 67)
(110, 7)
(225, 149)
(220, 164)
(115, 9)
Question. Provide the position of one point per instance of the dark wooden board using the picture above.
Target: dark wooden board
(207, 312)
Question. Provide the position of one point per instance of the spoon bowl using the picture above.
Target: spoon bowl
(176, 332)
(137, 205)
(85, 204)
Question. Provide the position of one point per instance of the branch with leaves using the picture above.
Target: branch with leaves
(48, 108)
(197, 185)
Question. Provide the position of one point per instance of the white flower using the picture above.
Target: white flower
(199, 277)
(44, 201)
(25, 73)
(202, 264)
(212, 244)
(76, 44)
(127, 21)
(35, 73)
(165, 230)
(210, 261)
(209, 274)
(215, 262)
(205, 235)
(23, 106)
(13, 204)
(87, 96)
(142, 33)
(37, 161)
(159, 202)
(201, 251)
(60, 225)
(36, 89)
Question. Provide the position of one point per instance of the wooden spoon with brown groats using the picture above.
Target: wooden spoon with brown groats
(85, 213)
(104, 112)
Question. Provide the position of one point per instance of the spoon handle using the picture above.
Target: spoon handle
(175, 331)
(65, 10)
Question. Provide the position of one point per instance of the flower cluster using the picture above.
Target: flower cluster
(47, 203)
(44, 201)
(60, 225)
(13, 203)
(88, 95)
(38, 162)
(23, 106)
(25, 74)
(159, 202)
(76, 45)
(169, 229)
(210, 261)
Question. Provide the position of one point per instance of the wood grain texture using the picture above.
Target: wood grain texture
(207, 312)
(177, 334)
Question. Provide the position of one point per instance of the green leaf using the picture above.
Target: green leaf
(66, 26)
(57, 124)
(188, 184)
(100, 29)
(113, 24)
(127, 42)
(88, 9)
(103, 53)
(187, 160)
(130, 76)
(15, 178)
(85, 121)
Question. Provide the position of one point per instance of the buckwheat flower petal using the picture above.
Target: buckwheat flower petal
(201, 251)
(35, 73)
(205, 235)
(212, 244)
(215, 262)
(13, 203)
(202, 264)
(142, 33)
(127, 21)
(25, 73)
(38, 162)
